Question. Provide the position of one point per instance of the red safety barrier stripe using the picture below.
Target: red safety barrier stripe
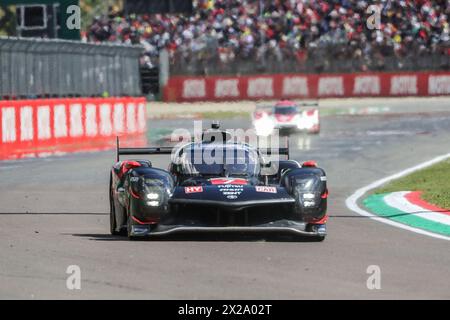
(30, 128)
(313, 86)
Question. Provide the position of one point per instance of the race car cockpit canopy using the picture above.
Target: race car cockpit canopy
(223, 160)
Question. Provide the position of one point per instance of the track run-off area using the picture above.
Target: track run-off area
(54, 214)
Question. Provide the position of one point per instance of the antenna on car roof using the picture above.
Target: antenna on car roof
(215, 125)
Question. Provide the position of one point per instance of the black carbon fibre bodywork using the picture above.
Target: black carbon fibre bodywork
(147, 201)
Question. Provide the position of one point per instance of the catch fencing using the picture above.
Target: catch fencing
(335, 58)
(39, 68)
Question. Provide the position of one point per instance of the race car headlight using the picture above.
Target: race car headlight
(302, 123)
(307, 191)
(153, 203)
(154, 195)
(309, 203)
(264, 126)
(309, 196)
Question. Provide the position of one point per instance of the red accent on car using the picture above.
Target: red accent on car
(144, 222)
(127, 165)
(284, 117)
(134, 194)
(325, 195)
(310, 113)
(259, 114)
(217, 181)
(320, 221)
(309, 164)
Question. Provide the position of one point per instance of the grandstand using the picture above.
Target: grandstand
(268, 36)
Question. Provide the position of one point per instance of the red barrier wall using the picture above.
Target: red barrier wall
(30, 128)
(307, 86)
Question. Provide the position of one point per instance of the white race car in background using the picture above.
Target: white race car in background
(287, 116)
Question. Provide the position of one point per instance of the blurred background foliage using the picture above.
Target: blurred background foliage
(95, 8)
(89, 10)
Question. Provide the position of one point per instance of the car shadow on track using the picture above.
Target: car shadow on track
(201, 237)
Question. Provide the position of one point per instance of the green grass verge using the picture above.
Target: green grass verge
(433, 181)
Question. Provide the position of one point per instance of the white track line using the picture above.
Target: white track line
(352, 201)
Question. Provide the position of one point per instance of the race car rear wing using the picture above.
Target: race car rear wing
(168, 150)
(141, 151)
(279, 151)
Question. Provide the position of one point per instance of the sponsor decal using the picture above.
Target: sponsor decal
(119, 118)
(43, 118)
(194, 189)
(231, 191)
(105, 119)
(367, 85)
(26, 123)
(76, 120)
(404, 85)
(266, 189)
(131, 117)
(8, 125)
(91, 123)
(193, 88)
(142, 117)
(331, 86)
(439, 85)
(59, 121)
(218, 181)
(295, 86)
(226, 88)
(260, 87)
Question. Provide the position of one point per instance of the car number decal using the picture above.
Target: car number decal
(226, 181)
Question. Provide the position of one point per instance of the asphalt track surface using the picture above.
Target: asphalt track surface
(54, 214)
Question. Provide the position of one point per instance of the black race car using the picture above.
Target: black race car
(238, 194)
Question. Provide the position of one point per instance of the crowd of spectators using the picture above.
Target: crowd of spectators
(322, 35)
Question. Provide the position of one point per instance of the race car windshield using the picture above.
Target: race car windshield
(286, 110)
(219, 160)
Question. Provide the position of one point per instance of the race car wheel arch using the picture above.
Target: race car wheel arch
(286, 165)
(288, 178)
(309, 189)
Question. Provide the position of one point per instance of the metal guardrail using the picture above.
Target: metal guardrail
(39, 68)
